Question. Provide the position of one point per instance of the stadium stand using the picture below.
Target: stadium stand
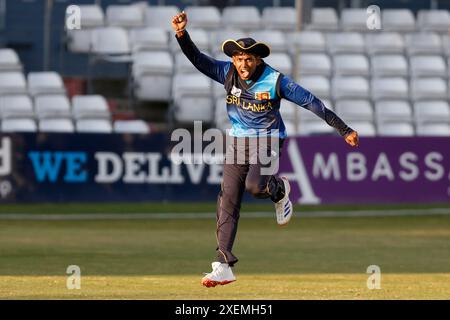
(378, 75)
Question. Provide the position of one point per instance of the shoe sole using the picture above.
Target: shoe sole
(211, 283)
(290, 215)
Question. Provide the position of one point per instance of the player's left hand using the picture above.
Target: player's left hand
(352, 139)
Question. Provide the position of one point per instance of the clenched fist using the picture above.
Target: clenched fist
(352, 139)
(179, 23)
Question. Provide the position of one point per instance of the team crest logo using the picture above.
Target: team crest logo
(262, 95)
(236, 92)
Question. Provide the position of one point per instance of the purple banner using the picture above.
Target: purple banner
(325, 170)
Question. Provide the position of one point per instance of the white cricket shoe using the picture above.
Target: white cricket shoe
(221, 274)
(283, 208)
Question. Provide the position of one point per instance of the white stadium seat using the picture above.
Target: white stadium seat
(198, 36)
(389, 65)
(90, 106)
(91, 16)
(45, 82)
(395, 129)
(393, 110)
(125, 16)
(150, 68)
(354, 110)
(350, 87)
(398, 20)
(433, 130)
(148, 39)
(205, 17)
(323, 19)
(306, 41)
(280, 18)
(131, 126)
(9, 60)
(313, 64)
(192, 98)
(93, 126)
(354, 19)
(428, 88)
(446, 44)
(19, 125)
(390, 88)
(79, 40)
(63, 125)
(345, 42)
(351, 65)
(51, 106)
(13, 106)
(385, 43)
(241, 17)
(160, 16)
(434, 20)
(428, 66)
(12, 82)
(110, 41)
(220, 114)
(183, 65)
(432, 111)
(423, 43)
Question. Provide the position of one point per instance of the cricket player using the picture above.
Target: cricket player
(254, 90)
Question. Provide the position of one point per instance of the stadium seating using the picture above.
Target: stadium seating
(335, 56)
(393, 110)
(19, 125)
(354, 20)
(192, 98)
(9, 60)
(389, 65)
(398, 20)
(150, 68)
(160, 16)
(148, 39)
(432, 111)
(16, 106)
(239, 17)
(131, 126)
(355, 87)
(435, 129)
(90, 107)
(56, 125)
(280, 18)
(395, 129)
(45, 82)
(126, 16)
(385, 43)
(52, 106)
(351, 65)
(93, 126)
(434, 20)
(13, 82)
(323, 19)
(314, 64)
(206, 17)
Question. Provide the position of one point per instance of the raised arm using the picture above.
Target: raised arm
(215, 69)
(295, 93)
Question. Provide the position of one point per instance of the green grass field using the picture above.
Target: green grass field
(311, 258)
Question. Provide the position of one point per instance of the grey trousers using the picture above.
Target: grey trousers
(245, 173)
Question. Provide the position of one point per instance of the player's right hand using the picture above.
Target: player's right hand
(179, 21)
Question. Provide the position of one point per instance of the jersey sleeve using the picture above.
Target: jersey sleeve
(293, 92)
(215, 69)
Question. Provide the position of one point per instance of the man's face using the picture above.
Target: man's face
(246, 64)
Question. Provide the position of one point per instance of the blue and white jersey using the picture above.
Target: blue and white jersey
(254, 106)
